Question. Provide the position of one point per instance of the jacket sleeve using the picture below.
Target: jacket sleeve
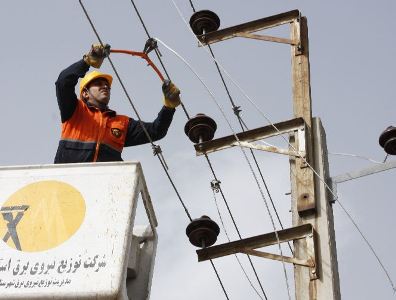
(156, 129)
(65, 85)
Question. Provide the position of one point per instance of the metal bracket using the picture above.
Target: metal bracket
(248, 246)
(292, 260)
(249, 27)
(245, 138)
(272, 149)
(302, 146)
(266, 38)
(357, 174)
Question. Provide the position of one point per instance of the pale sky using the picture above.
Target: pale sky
(352, 48)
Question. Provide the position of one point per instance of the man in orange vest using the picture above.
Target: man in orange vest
(91, 132)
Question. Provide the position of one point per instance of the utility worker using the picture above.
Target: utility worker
(91, 132)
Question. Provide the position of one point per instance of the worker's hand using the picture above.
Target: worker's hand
(97, 54)
(171, 94)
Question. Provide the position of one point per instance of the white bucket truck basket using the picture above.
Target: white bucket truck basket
(67, 232)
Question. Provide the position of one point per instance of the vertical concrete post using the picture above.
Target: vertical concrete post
(328, 284)
(309, 194)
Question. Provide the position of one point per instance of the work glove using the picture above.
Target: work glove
(171, 94)
(97, 54)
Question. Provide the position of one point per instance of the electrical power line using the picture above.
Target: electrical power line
(157, 53)
(243, 153)
(229, 210)
(357, 156)
(155, 147)
(294, 149)
(219, 280)
(192, 5)
(215, 190)
(237, 112)
(326, 185)
(162, 161)
(344, 154)
(235, 225)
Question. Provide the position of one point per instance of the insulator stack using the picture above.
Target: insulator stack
(387, 140)
(202, 232)
(200, 128)
(204, 21)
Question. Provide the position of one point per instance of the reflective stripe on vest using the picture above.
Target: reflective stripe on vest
(93, 126)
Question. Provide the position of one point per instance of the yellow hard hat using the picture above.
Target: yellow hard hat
(92, 76)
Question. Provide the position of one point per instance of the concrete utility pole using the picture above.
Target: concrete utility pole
(310, 200)
(315, 257)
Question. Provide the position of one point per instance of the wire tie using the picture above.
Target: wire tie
(237, 110)
(215, 185)
(156, 149)
(151, 44)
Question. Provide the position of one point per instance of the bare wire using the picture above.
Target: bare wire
(192, 5)
(335, 197)
(243, 153)
(244, 127)
(297, 153)
(344, 154)
(229, 240)
(237, 111)
(357, 156)
(160, 156)
(157, 53)
(162, 161)
(219, 280)
(235, 225)
(369, 245)
(188, 117)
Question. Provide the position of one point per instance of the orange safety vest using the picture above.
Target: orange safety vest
(90, 125)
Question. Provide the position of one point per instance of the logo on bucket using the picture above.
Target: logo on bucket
(41, 216)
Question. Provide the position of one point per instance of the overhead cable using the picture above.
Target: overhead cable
(157, 53)
(155, 147)
(192, 5)
(243, 153)
(243, 125)
(357, 156)
(335, 197)
(188, 117)
(214, 190)
(235, 225)
(219, 279)
(162, 161)
(295, 150)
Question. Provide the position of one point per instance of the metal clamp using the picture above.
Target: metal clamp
(150, 45)
(215, 185)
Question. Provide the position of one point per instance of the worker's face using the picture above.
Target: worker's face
(98, 92)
